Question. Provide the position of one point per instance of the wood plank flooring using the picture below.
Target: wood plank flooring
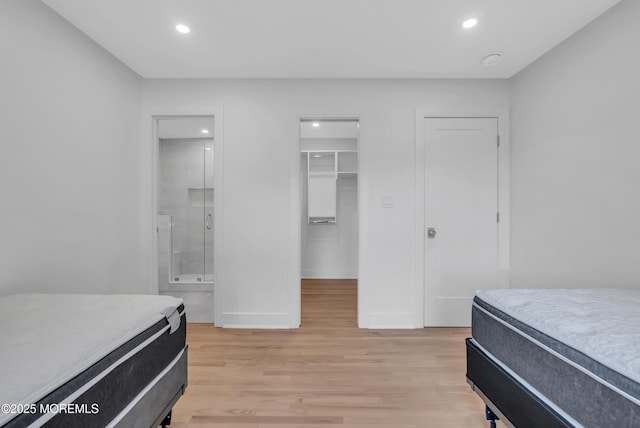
(328, 373)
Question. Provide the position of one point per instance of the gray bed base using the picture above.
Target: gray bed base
(569, 384)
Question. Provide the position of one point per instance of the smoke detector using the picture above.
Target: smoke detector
(491, 60)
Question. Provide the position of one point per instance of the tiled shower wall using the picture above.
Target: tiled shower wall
(185, 196)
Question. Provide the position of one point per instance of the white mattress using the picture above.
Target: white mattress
(46, 339)
(604, 324)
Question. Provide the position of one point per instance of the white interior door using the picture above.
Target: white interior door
(461, 216)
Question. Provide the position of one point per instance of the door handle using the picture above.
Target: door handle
(431, 232)
(208, 222)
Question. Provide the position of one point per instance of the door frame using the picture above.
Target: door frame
(218, 195)
(296, 220)
(504, 183)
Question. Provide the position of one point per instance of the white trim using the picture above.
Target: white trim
(391, 320)
(296, 222)
(206, 287)
(218, 222)
(258, 320)
(295, 225)
(504, 191)
(363, 227)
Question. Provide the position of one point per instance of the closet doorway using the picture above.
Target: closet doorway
(329, 218)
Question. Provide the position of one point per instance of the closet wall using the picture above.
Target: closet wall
(331, 250)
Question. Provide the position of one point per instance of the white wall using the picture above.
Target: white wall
(69, 155)
(76, 191)
(257, 281)
(576, 159)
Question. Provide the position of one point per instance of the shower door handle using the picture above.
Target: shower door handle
(208, 222)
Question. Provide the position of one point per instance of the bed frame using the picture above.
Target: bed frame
(506, 398)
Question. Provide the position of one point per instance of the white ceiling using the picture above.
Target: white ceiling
(327, 38)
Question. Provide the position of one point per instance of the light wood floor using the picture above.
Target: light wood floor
(328, 373)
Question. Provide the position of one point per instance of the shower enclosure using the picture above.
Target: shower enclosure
(185, 201)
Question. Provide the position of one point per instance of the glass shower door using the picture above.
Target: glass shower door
(208, 211)
(198, 267)
(186, 198)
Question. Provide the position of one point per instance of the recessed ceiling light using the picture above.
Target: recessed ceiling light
(315, 124)
(492, 59)
(205, 131)
(470, 23)
(183, 28)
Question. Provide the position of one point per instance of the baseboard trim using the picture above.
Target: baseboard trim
(258, 320)
(392, 320)
(189, 286)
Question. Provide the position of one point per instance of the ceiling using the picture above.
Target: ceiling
(328, 38)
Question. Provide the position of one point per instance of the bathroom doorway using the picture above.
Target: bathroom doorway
(185, 211)
(329, 214)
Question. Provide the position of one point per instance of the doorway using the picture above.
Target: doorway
(461, 215)
(185, 148)
(329, 210)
